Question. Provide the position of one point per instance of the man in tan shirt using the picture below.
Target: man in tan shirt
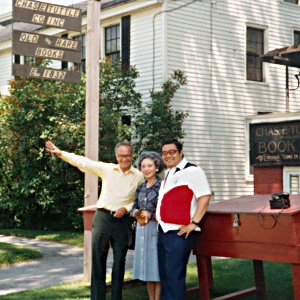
(111, 220)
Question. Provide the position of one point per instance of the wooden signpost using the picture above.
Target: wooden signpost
(62, 49)
(45, 46)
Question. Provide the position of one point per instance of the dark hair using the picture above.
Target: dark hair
(178, 144)
(127, 144)
(152, 155)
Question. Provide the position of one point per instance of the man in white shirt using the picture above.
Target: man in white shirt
(183, 200)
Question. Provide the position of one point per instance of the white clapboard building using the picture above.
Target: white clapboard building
(218, 44)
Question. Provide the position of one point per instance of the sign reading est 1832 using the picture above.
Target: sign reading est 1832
(275, 144)
(45, 73)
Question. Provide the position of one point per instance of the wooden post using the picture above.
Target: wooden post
(92, 116)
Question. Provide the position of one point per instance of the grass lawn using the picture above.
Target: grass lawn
(230, 275)
(11, 254)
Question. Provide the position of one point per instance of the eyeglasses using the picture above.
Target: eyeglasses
(170, 152)
(124, 156)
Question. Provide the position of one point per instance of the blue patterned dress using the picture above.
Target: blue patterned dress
(145, 262)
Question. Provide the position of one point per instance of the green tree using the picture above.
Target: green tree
(35, 190)
(158, 120)
(39, 191)
(117, 98)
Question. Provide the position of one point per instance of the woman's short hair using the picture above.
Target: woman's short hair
(152, 155)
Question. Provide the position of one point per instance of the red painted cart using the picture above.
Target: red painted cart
(247, 228)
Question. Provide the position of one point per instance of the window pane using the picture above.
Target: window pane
(294, 184)
(113, 45)
(81, 66)
(255, 49)
(113, 32)
(296, 37)
(112, 42)
(108, 47)
(108, 33)
(291, 1)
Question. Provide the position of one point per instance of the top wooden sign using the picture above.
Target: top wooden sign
(47, 14)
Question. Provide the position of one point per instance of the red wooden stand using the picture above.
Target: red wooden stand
(88, 215)
(261, 234)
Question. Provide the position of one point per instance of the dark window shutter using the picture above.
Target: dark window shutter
(64, 64)
(126, 41)
(17, 59)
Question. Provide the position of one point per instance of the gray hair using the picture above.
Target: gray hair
(125, 143)
(152, 155)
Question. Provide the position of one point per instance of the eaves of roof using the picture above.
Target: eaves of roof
(288, 56)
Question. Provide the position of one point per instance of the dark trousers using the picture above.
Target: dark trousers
(107, 231)
(173, 256)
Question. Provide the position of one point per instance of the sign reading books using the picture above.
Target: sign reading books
(275, 144)
(42, 46)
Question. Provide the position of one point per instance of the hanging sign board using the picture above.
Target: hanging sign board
(37, 45)
(46, 73)
(47, 14)
(275, 144)
(43, 40)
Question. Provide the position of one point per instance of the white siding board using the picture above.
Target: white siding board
(5, 65)
(211, 52)
(141, 54)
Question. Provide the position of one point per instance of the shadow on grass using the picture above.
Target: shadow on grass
(230, 275)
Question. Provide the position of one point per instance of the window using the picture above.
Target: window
(255, 48)
(296, 37)
(126, 120)
(112, 42)
(29, 60)
(291, 180)
(64, 64)
(291, 1)
(17, 59)
(82, 66)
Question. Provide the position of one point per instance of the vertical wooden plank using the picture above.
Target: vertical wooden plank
(259, 278)
(92, 116)
(204, 276)
(296, 280)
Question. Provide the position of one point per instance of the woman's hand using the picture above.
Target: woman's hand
(141, 217)
(146, 215)
(53, 149)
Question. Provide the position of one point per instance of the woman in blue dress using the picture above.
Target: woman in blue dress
(145, 263)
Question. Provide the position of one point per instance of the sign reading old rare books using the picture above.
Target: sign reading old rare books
(47, 14)
(45, 46)
(274, 144)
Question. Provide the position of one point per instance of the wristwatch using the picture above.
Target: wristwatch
(195, 223)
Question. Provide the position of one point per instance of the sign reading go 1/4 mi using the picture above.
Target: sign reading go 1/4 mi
(47, 14)
(35, 45)
(46, 73)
